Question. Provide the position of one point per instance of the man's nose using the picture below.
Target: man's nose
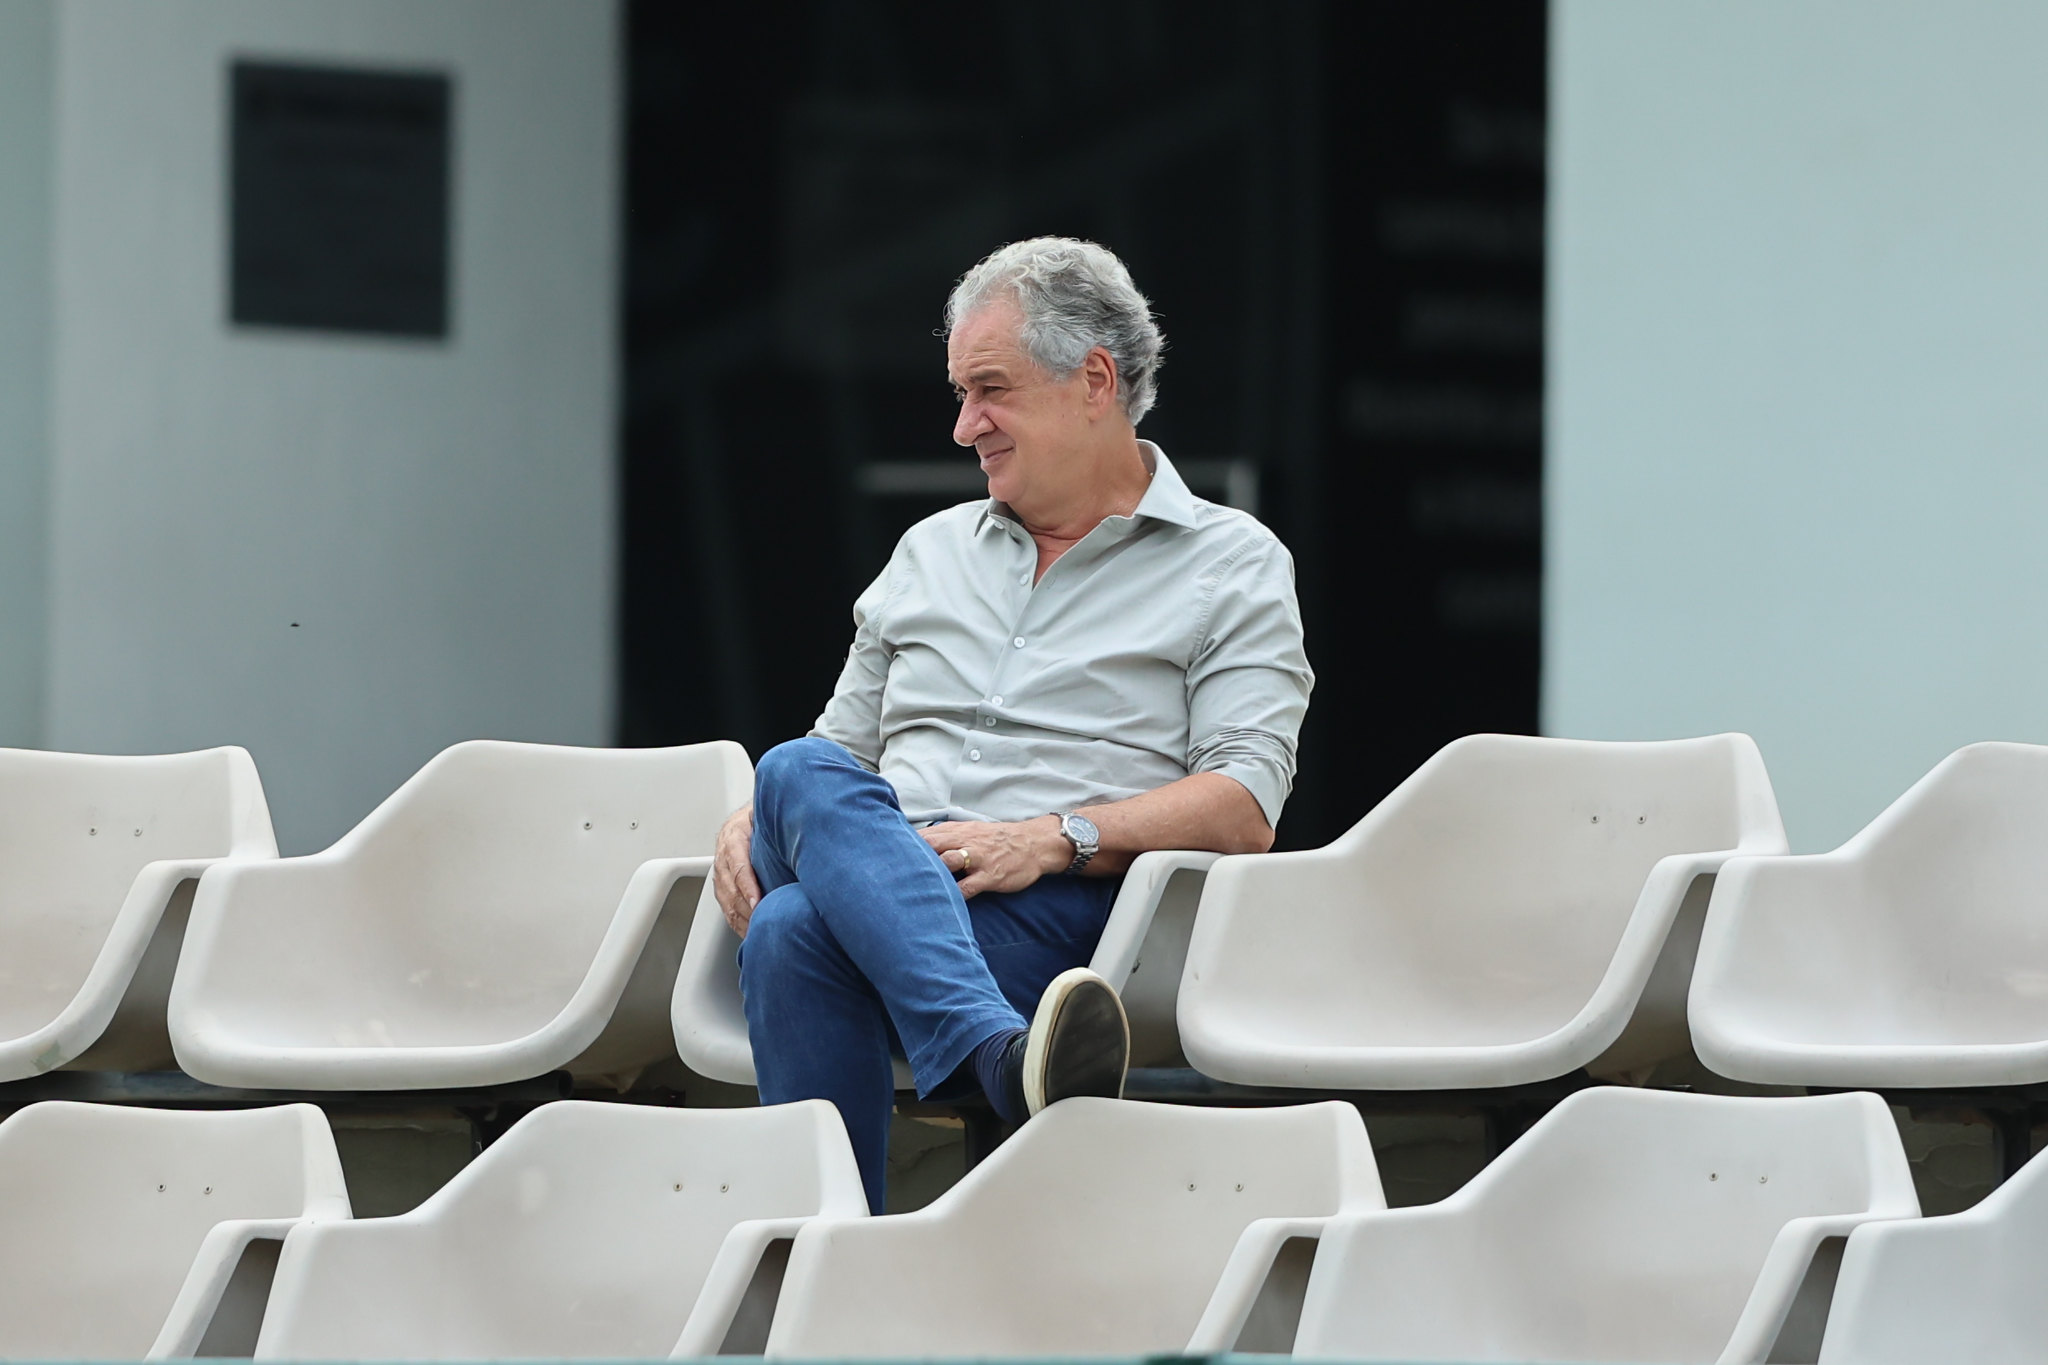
(970, 424)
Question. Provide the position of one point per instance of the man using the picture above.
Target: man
(1089, 664)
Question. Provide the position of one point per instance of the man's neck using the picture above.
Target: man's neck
(1122, 477)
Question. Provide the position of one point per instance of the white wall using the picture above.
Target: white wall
(26, 52)
(436, 517)
(1797, 455)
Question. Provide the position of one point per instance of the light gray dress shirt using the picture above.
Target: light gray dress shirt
(1161, 644)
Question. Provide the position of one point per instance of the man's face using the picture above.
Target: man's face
(1027, 427)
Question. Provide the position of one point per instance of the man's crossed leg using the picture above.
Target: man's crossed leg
(862, 947)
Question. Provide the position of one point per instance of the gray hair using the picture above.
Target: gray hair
(1075, 296)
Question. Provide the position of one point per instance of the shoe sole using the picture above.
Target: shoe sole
(1080, 1041)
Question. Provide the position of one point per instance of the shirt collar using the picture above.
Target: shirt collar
(1166, 499)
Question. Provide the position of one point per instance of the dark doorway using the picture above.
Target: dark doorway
(1336, 209)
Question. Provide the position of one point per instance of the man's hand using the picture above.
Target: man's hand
(986, 856)
(732, 870)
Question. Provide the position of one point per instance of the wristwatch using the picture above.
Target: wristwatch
(1082, 834)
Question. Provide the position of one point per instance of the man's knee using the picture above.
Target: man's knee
(793, 764)
(785, 929)
(809, 770)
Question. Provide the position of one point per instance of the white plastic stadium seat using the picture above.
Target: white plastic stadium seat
(1101, 1228)
(1500, 918)
(98, 859)
(1916, 954)
(586, 1231)
(1143, 946)
(133, 1232)
(1627, 1225)
(511, 910)
(1963, 1287)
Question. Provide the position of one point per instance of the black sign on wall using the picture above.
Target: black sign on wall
(338, 213)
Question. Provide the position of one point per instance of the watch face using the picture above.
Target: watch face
(1082, 831)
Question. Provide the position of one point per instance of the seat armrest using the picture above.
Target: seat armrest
(1636, 1014)
(654, 879)
(1137, 901)
(149, 895)
(1252, 1264)
(1143, 948)
(156, 881)
(1674, 873)
(207, 1282)
(1784, 1272)
(745, 1280)
(86, 1017)
(640, 906)
(705, 1011)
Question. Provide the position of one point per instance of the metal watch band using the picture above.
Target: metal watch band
(1079, 831)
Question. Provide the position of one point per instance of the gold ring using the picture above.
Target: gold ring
(966, 860)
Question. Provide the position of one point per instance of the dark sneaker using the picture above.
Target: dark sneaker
(1080, 1041)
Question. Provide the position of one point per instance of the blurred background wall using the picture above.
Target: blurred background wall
(1746, 434)
(27, 142)
(1797, 458)
(343, 550)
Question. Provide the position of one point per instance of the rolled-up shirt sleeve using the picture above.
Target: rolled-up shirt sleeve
(853, 718)
(1249, 679)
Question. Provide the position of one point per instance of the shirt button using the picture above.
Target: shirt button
(1025, 580)
(997, 700)
(974, 754)
(989, 721)
(1018, 642)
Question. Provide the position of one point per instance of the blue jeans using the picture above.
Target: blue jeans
(862, 947)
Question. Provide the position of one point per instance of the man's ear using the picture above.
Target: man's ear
(1098, 370)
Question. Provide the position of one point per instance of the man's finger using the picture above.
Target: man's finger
(749, 885)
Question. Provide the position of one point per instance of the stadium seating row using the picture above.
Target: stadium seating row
(1626, 1225)
(1519, 909)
